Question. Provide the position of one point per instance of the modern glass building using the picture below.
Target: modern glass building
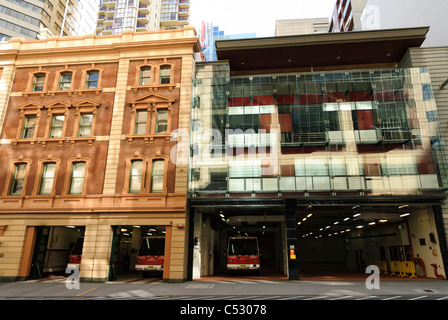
(330, 165)
(28, 19)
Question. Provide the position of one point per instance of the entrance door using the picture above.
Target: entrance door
(40, 252)
(113, 267)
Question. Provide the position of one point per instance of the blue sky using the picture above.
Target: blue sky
(255, 16)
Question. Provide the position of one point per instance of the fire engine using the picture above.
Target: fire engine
(150, 255)
(243, 254)
(74, 258)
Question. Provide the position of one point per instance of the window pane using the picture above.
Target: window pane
(19, 178)
(48, 175)
(29, 126)
(145, 77)
(158, 169)
(92, 80)
(77, 180)
(135, 184)
(162, 121)
(140, 122)
(65, 81)
(165, 74)
(57, 125)
(39, 80)
(85, 125)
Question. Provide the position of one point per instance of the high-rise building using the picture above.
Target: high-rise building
(357, 15)
(347, 15)
(36, 19)
(209, 34)
(290, 27)
(114, 16)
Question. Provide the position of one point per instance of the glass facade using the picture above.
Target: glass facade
(349, 133)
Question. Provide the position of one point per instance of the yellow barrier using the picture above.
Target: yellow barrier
(409, 268)
(382, 265)
(396, 268)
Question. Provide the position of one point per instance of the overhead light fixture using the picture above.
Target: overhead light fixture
(309, 215)
(404, 215)
(346, 219)
(360, 227)
(372, 223)
(403, 206)
(356, 215)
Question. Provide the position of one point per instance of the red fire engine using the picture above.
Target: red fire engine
(243, 254)
(150, 255)
(74, 258)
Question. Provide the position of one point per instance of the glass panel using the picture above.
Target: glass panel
(65, 81)
(19, 178)
(29, 126)
(48, 176)
(57, 125)
(158, 170)
(85, 125)
(92, 80)
(135, 184)
(39, 81)
(165, 74)
(140, 122)
(162, 121)
(145, 76)
(77, 180)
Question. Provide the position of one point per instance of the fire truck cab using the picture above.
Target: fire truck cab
(243, 254)
(150, 255)
(74, 259)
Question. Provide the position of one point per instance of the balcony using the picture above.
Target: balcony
(110, 3)
(145, 2)
(101, 18)
(109, 21)
(184, 3)
(142, 27)
(110, 12)
(143, 9)
(143, 18)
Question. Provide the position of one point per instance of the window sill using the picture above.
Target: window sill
(147, 137)
(154, 87)
(89, 140)
(34, 93)
(97, 91)
(44, 141)
(32, 142)
(55, 92)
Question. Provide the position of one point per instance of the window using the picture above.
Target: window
(135, 183)
(92, 79)
(18, 179)
(77, 178)
(85, 125)
(145, 76)
(140, 121)
(157, 175)
(165, 74)
(29, 127)
(162, 121)
(48, 175)
(39, 81)
(65, 81)
(57, 126)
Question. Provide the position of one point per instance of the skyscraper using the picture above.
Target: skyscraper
(28, 20)
(115, 16)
